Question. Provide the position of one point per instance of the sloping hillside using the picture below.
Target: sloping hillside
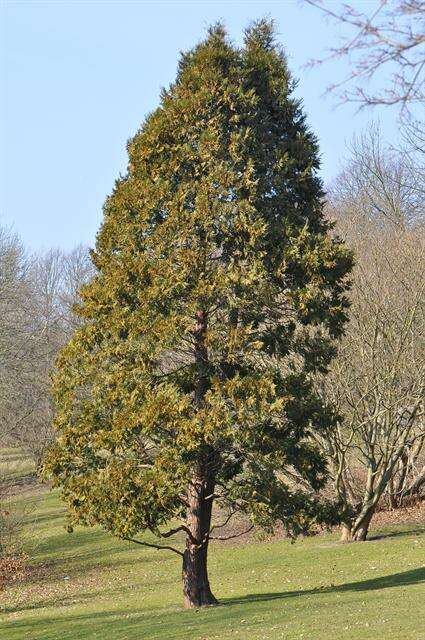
(88, 585)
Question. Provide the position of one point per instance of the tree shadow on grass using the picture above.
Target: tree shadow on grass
(143, 625)
(402, 579)
(405, 578)
(396, 534)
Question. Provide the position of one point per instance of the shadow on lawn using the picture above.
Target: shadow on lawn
(405, 578)
(397, 534)
(75, 625)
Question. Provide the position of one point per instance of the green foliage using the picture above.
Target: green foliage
(219, 217)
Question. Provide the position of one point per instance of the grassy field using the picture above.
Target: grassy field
(87, 585)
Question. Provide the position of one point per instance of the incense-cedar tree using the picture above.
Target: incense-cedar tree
(219, 293)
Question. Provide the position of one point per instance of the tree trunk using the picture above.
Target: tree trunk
(357, 531)
(196, 587)
(360, 534)
(346, 532)
(361, 527)
(416, 486)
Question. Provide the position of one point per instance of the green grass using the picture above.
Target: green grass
(15, 465)
(88, 585)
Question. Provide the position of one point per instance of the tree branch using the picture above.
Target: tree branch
(236, 535)
(155, 546)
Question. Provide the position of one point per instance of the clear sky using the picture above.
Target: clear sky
(78, 78)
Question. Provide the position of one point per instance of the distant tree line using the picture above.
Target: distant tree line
(37, 294)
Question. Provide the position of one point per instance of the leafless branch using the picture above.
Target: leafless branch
(388, 41)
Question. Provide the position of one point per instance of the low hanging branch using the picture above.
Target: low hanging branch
(155, 546)
(235, 535)
(223, 524)
(182, 527)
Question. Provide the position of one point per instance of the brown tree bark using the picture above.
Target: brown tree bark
(358, 530)
(361, 527)
(416, 486)
(196, 587)
(345, 532)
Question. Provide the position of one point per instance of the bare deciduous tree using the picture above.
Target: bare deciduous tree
(37, 295)
(16, 333)
(379, 184)
(386, 48)
(377, 381)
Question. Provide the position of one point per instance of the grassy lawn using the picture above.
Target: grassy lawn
(88, 585)
(15, 465)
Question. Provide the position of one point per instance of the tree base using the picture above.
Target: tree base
(196, 587)
(195, 601)
(347, 535)
(360, 535)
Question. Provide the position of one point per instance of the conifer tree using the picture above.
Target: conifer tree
(219, 292)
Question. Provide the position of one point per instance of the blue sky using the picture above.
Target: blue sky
(79, 77)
